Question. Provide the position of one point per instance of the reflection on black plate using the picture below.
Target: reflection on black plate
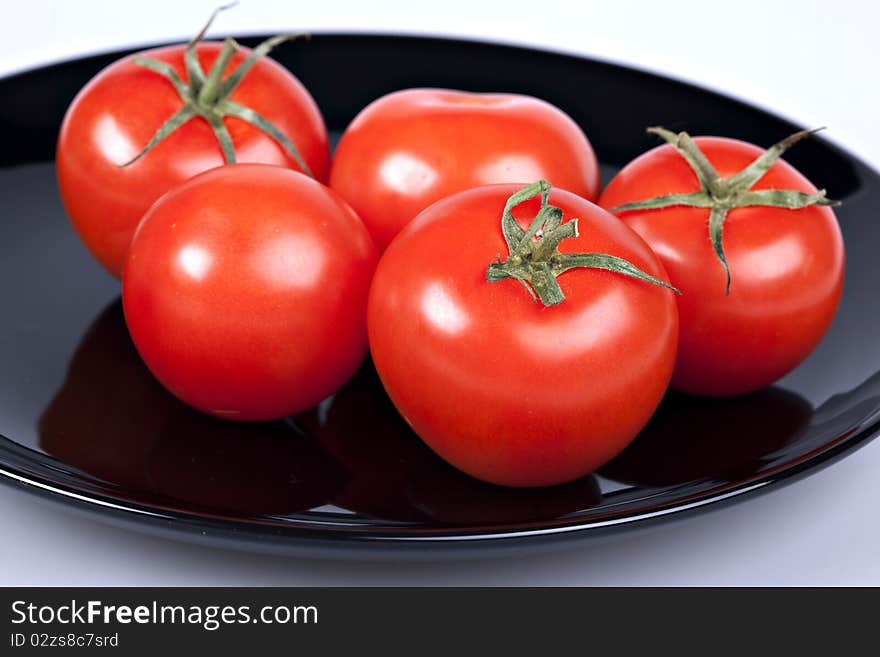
(394, 476)
(83, 421)
(689, 439)
(112, 420)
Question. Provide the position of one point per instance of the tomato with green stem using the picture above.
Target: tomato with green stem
(752, 244)
(245, 291)
(535, 369)
(150, 121)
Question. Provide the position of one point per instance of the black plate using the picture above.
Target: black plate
(86, 424)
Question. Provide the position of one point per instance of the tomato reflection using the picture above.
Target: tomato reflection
(394, 476)
(264, 468)
(112, 420)
(691, 438)
(109, 410)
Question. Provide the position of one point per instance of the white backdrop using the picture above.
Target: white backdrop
(811, 61)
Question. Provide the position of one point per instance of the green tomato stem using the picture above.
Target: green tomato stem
(534, 259)
(208, 97)
(721, 195)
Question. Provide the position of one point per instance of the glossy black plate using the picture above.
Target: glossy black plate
(86, 424)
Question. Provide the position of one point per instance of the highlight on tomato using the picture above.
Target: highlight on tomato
(526, 336)
(245, 291)
(754, 247)
(411, 148)
(150, 121)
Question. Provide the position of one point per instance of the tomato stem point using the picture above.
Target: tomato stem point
(208, 96)
(722, 195)
(534, 259)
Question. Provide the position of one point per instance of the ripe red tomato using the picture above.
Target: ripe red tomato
(120, 110)
(245, 291)
(411, 148)
(786, 267)
(506, 389)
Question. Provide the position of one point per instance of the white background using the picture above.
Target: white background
(812, 61)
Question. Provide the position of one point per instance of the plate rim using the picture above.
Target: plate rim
(302, 539)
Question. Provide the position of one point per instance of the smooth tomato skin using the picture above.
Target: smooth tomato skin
(413, 147)
(117, 113)
(245, 291)
(787, 269)
(501, 387)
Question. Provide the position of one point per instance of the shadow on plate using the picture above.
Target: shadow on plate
(112, 420)
(394, 476)
(694, 438)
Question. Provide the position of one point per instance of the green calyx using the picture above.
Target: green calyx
(535, 260)
(721, 195)
(207, 95)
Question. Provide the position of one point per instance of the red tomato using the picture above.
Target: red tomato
(118, 112)
(786, 268)
(413, 147)
(245, 291)
(502, 387)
